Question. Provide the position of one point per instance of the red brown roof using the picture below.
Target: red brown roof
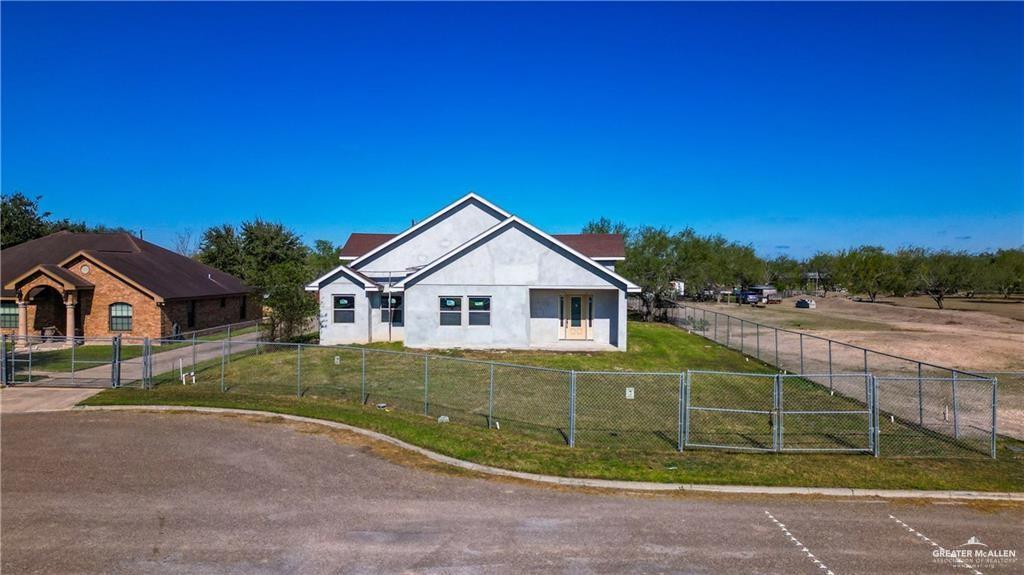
(595, 245)
(591, 245)
(166, 274)
(359, 244)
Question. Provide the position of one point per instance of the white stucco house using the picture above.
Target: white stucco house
(475, 276)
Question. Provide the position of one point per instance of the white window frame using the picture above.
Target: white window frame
(470, 311)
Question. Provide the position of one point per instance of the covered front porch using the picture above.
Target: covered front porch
(48, 300)
(585, 319)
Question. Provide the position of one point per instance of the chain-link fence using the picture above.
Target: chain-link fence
(803, 353)
(812, 412)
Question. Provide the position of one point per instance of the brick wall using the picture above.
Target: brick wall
(209, 312)
(94, 312)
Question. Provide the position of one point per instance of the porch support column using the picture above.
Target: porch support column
(23, 319)
(70, 306)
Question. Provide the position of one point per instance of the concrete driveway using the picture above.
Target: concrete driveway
(88, 492)
(32, 399)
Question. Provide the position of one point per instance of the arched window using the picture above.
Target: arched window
(120, 316)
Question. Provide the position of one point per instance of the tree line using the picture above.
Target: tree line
(710, 264)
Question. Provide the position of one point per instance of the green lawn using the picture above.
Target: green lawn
(616, 437)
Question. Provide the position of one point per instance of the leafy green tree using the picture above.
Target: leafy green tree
(290, 309)
(221, 247)
(867, 270)
(323, 258)
(649, 264)
(941, 274)
(606, 226)
(264, 245)
(1003, 271)
(784, 272)
(822, 270)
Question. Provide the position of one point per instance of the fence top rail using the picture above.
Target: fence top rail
(942, 379)
(634, 373)
(854, 374)
(842, 343)
(748, 373)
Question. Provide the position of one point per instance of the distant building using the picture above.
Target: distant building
(104, 284)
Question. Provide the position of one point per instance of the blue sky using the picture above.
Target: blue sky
(793, 127)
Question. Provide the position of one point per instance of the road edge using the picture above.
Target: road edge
(610, 484)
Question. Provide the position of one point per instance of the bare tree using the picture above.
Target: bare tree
(185, 243)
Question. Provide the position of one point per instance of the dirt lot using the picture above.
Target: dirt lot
(987, 341)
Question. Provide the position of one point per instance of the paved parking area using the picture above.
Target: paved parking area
(188, 493)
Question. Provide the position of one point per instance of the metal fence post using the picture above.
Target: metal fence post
(876, 447)
(801, 353)
(490, 399)
(115, 361)
(298, 370)
(426, 384)
(777, 413)
(716, 325)
(193, 353)
(28, 342)
(145, 363)
(3, 360)
(728, 331)
(572, 408)
(72, 340)
(920, 396)
(682, 412)
(777, 366)
(757, 339)
(992, 447)
(741, 335)
(362, 378)
(686, 408)
(223, 358)
(229, 341)
(956, 409)
(866, 361)
(830, 366)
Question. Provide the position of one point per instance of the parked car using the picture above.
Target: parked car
(804, 303)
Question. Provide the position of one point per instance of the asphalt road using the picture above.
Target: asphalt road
(90, 492)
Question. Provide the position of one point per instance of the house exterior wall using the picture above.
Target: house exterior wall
(434, 241)
(379, 330)
(523, 275)
(210, 312)
(344, 333)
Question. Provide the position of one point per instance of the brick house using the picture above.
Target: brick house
(105, 284)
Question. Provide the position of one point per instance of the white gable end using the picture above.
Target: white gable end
(515, 256)
(426, 245)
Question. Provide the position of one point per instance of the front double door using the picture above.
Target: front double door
(576, 316)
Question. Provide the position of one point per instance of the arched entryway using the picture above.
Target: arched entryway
(50, 317)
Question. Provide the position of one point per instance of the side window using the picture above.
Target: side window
(120, 317)
(191, 320)
(243, 310)
(344, 308)
(390, 308)
(9, 314)
(451, 310)
(480, 310)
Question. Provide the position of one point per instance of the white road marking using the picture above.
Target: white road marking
(925, 538)
(796, 542)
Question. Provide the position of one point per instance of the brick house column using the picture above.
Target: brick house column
(23, 319)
